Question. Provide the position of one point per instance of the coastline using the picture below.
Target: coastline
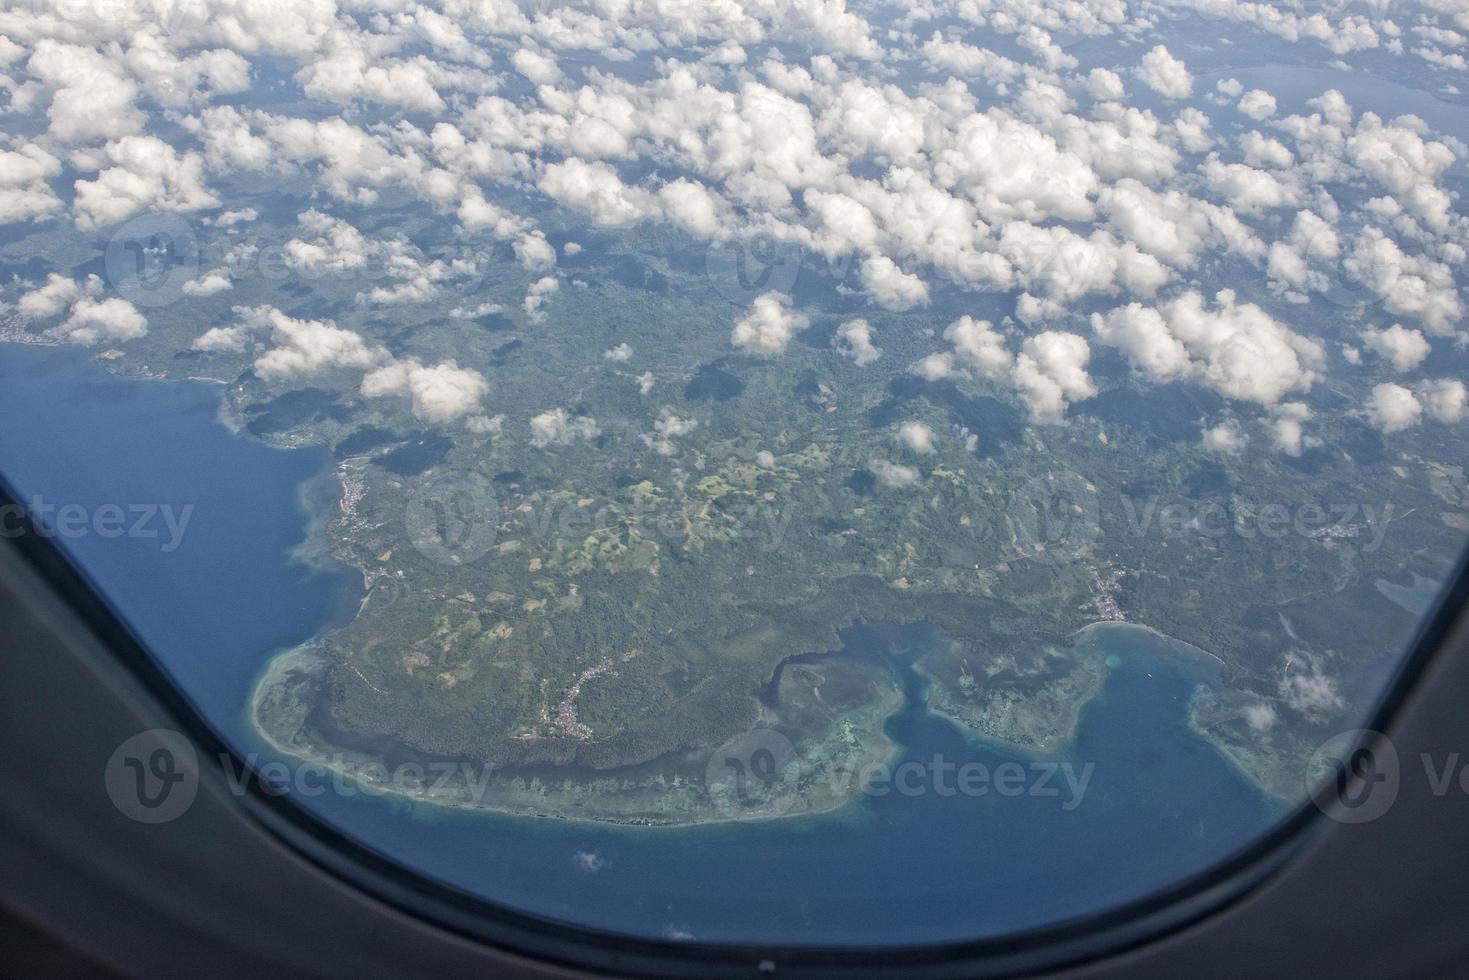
(514, 796)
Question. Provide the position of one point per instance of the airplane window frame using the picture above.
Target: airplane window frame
(356, 864)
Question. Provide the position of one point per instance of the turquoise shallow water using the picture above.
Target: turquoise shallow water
(1159, 803)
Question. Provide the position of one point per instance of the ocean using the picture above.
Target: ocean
(1139, 801)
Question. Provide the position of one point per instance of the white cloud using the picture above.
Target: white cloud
(208, 284)
(769, 326)
(147, 174)
(440, 393)
(1443, 399)
(916, 436)
(1241, 351)
(49, 299)
(303, 348)
(1287, 428)
(1103, 84)
(92, 321)
(1257, 104)
(1402, 348)
(890, 286)
(596, 189)
(1392, 408)
(891, 474)
(1165, 74)
(853, 339)
(935, 367)
(1141, 333)
(622, 352)
(536, 296)
(1050, 372)
(978, 347)
(92, 98)
(557, 427)
(1225, 437)
(24, 193)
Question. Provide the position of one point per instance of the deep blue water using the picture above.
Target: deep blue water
(1160, 803)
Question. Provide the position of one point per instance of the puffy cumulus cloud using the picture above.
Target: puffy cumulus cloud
(1237, 349)
(977, 347)
(1225, 437)
(916, 436)
(935, 367)
(233, 339)
(891, 474)
(1174, 227)
(245, 26)
(440, 393)
(1306, 257)
(1404, 349)
(1143, 335)
(1257, 104)
(208, 284)
(1443, 399)
(891, 287)
(1047, 374)
(350, 73)
(1392, 408)
(1165, 74)
(596, 189)
(1262, 151)
(302, 348)
(1050, 372)
(91, 96)
(485, 425)
(769, 326)
(1409, 285)
(1012, 169)
(179, 82)
(533, 252)
(695, 208)
(558, 427)
(329, 244)
(1287, 428)
(92, 321)
(621, 353)
(1103, 84)
(1241, 351)
(146, 174)
(853, 339)
(50, 298)
(24, 193)
(1248, 190)
(667, 427)
(536, 296)
(1062, 266)
(539, 67)
(1407, 165)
